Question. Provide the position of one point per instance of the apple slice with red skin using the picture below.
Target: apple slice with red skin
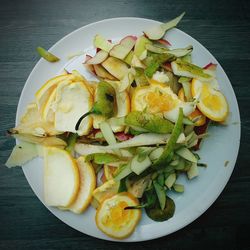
(115, 67)
(99, 57)
(122, 49)
(128, 41)
(210, 66)
(89, 67)
(164, 42)
(102, 72)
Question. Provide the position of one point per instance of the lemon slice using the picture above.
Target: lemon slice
(47, 113)
(72, 101)
(87, 185)
(61, 177)
(115, 221)
(106, 190)
(45, 91)
(212, 103)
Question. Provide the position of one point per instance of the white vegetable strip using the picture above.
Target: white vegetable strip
(107, 133)
(142, 140)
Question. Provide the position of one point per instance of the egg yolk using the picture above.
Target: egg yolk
(117, 216)
(209, 99)
(159, 102)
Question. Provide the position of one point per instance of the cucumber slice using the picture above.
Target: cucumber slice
(186, 154)
(178, 188)
(181, 165)
(169, 182)
(122, 172)
(138, 165)
(193, 171)
(155, 154)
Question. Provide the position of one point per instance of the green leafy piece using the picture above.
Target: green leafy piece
(140, 77)
(186, 154)
(170, 180)
(160, 179)
(104, 105)
(156, 62)
(161, 194)
(187, 58)
(122, 186)
(168, 151)
(102, 158)
(139, 163)
(71, 141)
(105, 97)
(123, 171)
(173, 82)
(174, 52)
(193, 171)
(152, 68)
(157, 214)
(129, 57)
(150, 122)
(47, 55)
(182, 68)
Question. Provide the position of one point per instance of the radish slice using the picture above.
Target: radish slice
(100, 57)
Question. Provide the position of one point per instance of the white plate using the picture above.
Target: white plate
(221, 146)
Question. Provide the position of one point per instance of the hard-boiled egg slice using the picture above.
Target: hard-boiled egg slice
(159, 98)
(72, 101)
(114, 220)
(211, 102)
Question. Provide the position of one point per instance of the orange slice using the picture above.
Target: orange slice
(115, 221)
(212, 103)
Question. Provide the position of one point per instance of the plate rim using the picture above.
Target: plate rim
(212, 198)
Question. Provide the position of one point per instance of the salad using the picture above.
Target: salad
(120, 143)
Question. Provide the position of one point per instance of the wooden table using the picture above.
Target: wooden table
(221, 26)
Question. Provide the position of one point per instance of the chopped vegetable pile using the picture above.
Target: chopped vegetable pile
(120, 143)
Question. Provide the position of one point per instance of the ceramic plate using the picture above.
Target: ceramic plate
(199, 193)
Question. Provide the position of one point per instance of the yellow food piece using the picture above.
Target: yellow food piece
(155, 98)
(115, 221)
(196, 114)
(87, 186)
(106, 190)
(212, 103)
